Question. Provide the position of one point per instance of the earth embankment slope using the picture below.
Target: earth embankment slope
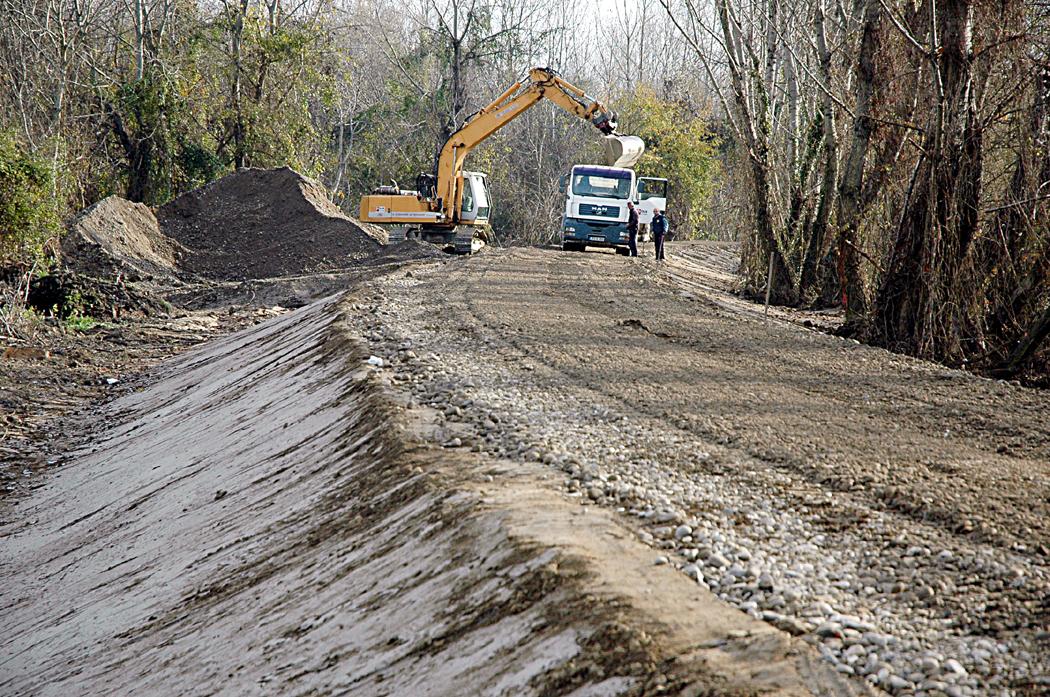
(253, 523)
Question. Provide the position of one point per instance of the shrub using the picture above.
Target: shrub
(28, 206)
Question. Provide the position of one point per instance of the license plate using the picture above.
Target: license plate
(596, 238)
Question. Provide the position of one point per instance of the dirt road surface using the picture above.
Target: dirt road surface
(558, 474)
(893, 511)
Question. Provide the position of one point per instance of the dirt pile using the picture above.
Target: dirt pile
(116, 238)
(262, 223)
(115, 260)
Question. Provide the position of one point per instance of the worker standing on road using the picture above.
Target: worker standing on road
(632, 228)
(659, 228)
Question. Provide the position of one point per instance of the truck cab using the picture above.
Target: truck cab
(651, 196)
(596, 200)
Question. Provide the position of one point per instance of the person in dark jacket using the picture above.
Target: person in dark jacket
(659, 228)
(632, 228)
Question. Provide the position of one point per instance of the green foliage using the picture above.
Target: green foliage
(284, 75)
(76, 313)
(384, 148)
(197, 164)
(678, 147)
(28, 214)
(79, 323)
(183, 124)
(149, 118)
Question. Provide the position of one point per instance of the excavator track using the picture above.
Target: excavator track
(467, 241)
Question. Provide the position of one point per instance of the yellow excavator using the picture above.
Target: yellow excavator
(451, 207)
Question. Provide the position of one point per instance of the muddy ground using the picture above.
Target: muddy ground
(568, 474)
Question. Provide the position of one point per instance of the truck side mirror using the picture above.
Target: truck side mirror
(562, 180)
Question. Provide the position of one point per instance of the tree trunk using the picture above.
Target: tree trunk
(782, 288)
(849, 202)
(816, 244)
(240, 128)
(755, 125)
(138, 152)
(1027, 346)
(921, 307)
(1014, 276)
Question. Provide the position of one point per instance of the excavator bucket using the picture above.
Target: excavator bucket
(623, 151)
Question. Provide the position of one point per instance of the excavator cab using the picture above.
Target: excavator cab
(475, 207)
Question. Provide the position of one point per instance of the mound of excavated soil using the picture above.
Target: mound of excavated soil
(118, 238)
(261, 223)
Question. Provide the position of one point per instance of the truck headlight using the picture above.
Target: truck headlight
(570, 229)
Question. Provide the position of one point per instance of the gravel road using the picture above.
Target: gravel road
(894, 513)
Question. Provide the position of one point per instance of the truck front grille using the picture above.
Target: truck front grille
(599, 210)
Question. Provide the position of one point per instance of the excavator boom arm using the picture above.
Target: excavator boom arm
(517, 99)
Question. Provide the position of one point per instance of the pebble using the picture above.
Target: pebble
(896, 682)
(829, 629)
(792, 625)
(718, 560)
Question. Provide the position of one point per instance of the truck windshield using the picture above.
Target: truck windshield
(602, 187)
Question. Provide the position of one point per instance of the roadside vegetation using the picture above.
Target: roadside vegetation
(29, 216)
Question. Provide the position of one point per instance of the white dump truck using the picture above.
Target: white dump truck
(596, 200)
